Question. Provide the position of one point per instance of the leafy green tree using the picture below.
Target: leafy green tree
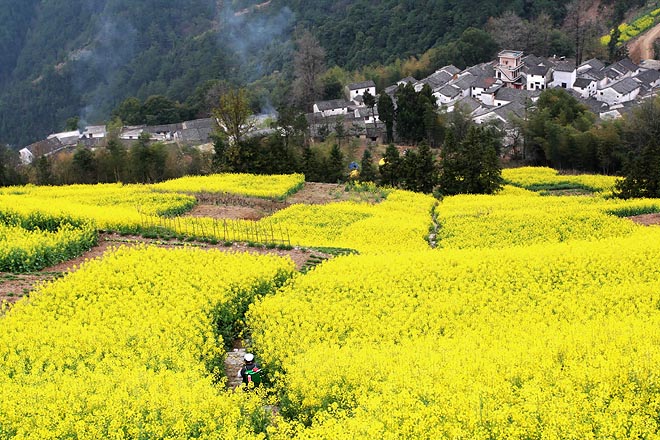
(370, 103)
(552, 130)
(425, 176)
(44, 171)
(140, 159)
(118, 159)
(642, 161)
(9, 161)
(414, 111)
(84, 166)
(72, 123)
(310, 164)
(387, 114)
(130, 111)
(472, 165)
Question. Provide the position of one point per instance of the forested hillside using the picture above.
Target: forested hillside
(81, 58)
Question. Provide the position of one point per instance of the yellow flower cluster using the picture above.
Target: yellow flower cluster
(629, 31)
(541, 178)
(536, 318)
(266, 186)
(125, 348)
(111, 206)
(553, 341)
(517, 217)
(23, 250)
(401, 220)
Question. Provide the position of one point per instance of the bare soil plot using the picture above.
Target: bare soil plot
(641, 48)
(15, 286)
(646, 219)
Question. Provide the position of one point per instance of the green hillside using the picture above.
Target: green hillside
(66, 58)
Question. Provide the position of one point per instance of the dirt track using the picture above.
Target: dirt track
(642, 47)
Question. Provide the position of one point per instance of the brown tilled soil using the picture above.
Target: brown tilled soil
(646, 219)
(15, 286)
(641, 48)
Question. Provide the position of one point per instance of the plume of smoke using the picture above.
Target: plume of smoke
(97, 66)
(248, 33)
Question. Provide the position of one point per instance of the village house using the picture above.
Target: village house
(564, 74)
(509, 69)
(623, 90)
(356, 91)
(333, 107)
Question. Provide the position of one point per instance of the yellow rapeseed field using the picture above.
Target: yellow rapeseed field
(536, 317)
(125, 348)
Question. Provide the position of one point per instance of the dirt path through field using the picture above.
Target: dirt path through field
(223, 206)
(642, 47)
(15, 286)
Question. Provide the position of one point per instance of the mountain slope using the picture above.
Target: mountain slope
(65, 58)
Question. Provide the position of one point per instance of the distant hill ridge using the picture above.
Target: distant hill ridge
(67, 58)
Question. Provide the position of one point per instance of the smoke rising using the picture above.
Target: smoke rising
(97, 67)
(250, 33)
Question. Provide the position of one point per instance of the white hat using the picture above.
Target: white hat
(249, 357)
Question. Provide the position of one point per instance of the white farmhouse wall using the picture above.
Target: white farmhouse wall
(563, 79)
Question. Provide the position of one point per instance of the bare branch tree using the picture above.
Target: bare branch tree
(308, 64)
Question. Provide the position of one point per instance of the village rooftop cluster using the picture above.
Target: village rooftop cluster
(496, 91)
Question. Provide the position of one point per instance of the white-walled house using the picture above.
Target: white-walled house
(447, 95)
(359, 89)
(366, 115)
(586, 87)
(564, 75)
(331, 108)
(538, 77)
(509, 69)
(624, 90)
(26, 156)
(94, 132)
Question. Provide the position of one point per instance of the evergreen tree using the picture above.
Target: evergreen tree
(387, 114)
(642, 167)
(471, 166)
(335, 165)
(84, 166)
(426, 174)
(118, 158)
(310, 164)
(390, 168)
(44, 171)
(367, 168)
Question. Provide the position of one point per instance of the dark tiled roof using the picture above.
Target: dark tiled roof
(449, 91)
(627, 64)
(451, 69)
(437, 79)
(565, 66)
(538, 70)
(45, 146)
(582, 83)
(624, 86)
(483, 82)
(465, 82)
(594, 64)
(361, 85)
(205, 123)
(331, 105)
(648, 76)
(407, 79)
(470, 103)
(164, 128)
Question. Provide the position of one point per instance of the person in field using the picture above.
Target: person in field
(251, 372)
